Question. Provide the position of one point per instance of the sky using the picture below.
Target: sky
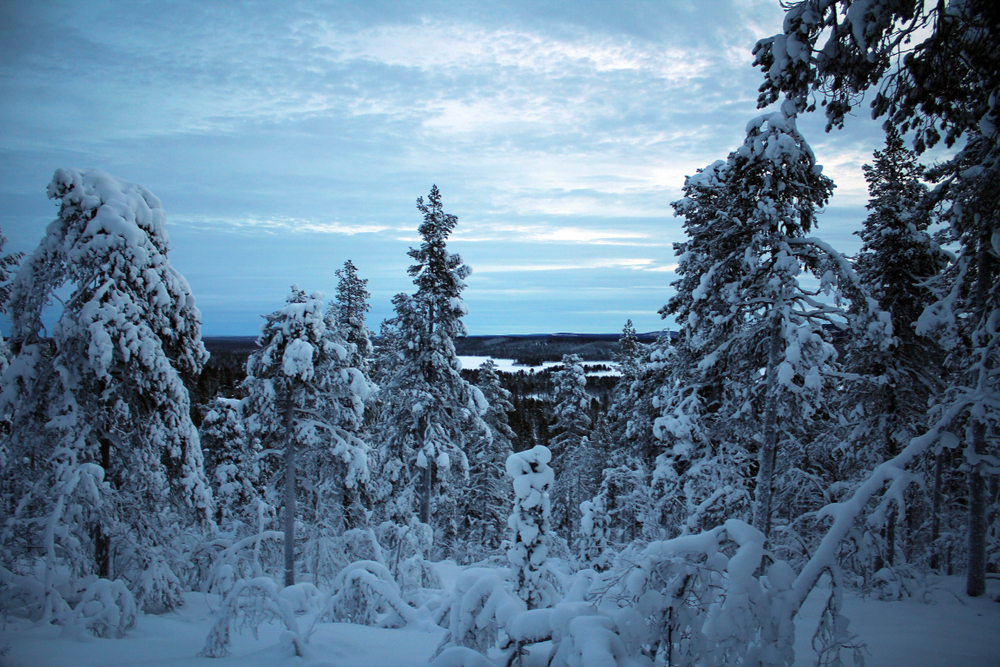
(286, 138)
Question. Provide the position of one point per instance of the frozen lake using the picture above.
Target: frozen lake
(510, 366)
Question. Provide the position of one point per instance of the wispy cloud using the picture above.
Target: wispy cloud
(558, 133)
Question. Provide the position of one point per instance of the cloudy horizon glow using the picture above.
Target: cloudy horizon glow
(285, 140)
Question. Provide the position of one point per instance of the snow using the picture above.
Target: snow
(940, 627)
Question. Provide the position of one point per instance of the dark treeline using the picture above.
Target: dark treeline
(531, 391)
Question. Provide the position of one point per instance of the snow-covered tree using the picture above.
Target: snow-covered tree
(102, 395)
(7, 265)
(430, 413)
(627, 483)
(887, 403)
(527, 550)
(346, 315)
(231, 463)
(629, 353)
(593, 543)
(742, 305)
(485, 505)
(306, 403)
(699, 474)
(945, 86)
(575, 461)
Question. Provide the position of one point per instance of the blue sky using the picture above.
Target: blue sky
(285, 138)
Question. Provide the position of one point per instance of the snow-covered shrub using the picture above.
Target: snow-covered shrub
(156, 586)
(415, 573)
(528, 549)
(695, 600)
(460, 656)
(228, 559)
(366, 594)
(107, 609)
(250, 603)
(476, 609)
(592, 545)
(361, 544)
(302, 597)
(402, 541)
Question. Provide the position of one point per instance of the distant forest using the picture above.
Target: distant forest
(531, 392)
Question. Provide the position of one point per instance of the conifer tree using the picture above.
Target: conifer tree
(896, 261)
(7, 265)
(231, 464)
(346, 315)
(699, 477)
(98, 410)
(574, 459)
(307, 403)
(527, 550)
(629, 353)
(430, 413)
(485, 505)
(740, 301)
(943, 87)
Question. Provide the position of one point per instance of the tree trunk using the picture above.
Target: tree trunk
(890, 453)
(425, 494)
(102, 541)
(769, 447)
(289, 493)
(936, 517)
(976, 583)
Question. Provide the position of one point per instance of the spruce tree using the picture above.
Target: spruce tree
(485, 505)
(231, 465)
(573, 457)
(346, 315)
(430, 414)
(889, 399)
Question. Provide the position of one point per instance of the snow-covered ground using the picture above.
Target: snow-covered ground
(947, 629)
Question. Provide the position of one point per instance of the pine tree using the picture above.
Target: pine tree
(740, 302)
(430, 413)
(99, 411)
(944, 87)
(307, 404)
(346, 315)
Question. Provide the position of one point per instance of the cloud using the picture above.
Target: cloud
(300, 134)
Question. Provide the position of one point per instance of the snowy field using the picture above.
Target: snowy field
(948, 629)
